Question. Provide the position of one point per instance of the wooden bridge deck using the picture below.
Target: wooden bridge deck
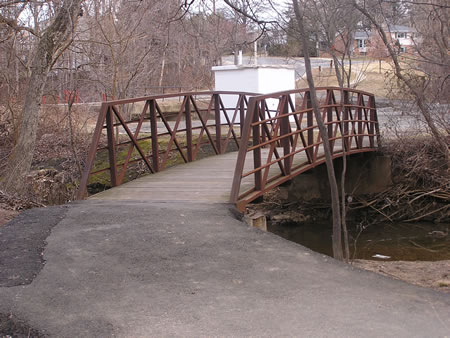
(207, 180)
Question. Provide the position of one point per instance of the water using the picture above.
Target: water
(400, 241)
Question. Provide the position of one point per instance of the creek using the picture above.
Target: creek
(386, 241)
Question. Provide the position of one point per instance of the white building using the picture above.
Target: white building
(261, 79)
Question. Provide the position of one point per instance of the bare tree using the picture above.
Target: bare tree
(53, 41)
(17, 38)
(416, 84)
(336, 21)
(337, 220)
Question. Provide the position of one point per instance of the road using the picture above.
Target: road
(297, 62)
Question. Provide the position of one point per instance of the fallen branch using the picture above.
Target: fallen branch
(427, 214)
(424, 194)
(422, 247)
(382, 213)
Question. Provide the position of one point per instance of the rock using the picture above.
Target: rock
(289, 216)
(6, 215)
(280, 217)
(46, 172)
(47, 137)
(438, 234)
(443, 283)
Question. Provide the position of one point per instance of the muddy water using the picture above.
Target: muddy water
(391, 242)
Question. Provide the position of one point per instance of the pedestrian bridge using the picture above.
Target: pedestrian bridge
(259, 142)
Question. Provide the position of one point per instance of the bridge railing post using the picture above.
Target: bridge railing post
(216, 98)
(241, 113)
(360, 103)
(345, 120)
(188, 121)
(284, 130)
(245, 137)
(374, 126)
(329, 102)
(111, 146)
(310, 121)
(82, 190)
(262, 116)
(256, 141)
(154, 134)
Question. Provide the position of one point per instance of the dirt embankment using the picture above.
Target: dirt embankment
(6, 215)
(11, 206)
(434, 275)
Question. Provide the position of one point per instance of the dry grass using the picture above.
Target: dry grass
(427, 274)
(370, 76)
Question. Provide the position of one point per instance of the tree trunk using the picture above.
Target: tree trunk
(343, 174)
(340, 77)
(337, 237)
(53, 42)
(163, 67)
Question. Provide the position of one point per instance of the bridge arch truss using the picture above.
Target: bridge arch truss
(281, 136)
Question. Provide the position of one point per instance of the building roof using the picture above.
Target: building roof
(400, 29)
(246, 66)
(364, 34)
(359, 35)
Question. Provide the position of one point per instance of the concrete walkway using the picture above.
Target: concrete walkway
(133, 269)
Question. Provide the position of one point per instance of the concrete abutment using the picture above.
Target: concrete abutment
(367, 173)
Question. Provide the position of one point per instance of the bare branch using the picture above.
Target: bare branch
(417, 3)
(13, 24)
(262, 23)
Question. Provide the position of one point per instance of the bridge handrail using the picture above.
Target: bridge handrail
(351, 120)
(175, 95)
(306, 90)
(111, 118)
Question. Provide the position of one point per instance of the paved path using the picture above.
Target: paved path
(133, 269)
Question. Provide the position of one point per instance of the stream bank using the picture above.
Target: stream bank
(401, 231)
(434, 275)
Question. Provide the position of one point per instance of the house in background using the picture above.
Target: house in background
(370, 43)
(405, 36)
(362, 41)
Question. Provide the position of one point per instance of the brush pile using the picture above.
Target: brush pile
(421, 190)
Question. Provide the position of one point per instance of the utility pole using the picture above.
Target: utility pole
(256, 52)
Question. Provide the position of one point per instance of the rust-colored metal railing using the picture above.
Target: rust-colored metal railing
(282, 138)
(177, 125)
